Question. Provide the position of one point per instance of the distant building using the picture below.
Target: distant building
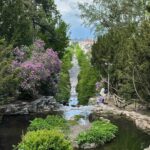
(86, 45)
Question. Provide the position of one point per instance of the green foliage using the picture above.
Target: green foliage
(78, 117)
(100, 133)
(22, 23)
(51, 122)
(44, 140)
(9, 81)
(87, 78)
(127, 49)
(123, 39)
(63, 93)
(105, 14)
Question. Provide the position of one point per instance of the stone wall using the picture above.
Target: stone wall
(41, 105)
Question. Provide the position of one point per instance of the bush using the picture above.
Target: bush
(49, 123)
(100, 133)
(38, 73)
(9, 82)
(87, 78)
(44, 140)
(27, 72)
(63, 93)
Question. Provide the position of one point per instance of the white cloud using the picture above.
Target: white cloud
(71, 14)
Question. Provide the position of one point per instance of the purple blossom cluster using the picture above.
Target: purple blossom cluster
(39, 44)
(19, 54)
(42, 66)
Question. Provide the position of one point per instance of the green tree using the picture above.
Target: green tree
(16, 24)
(87, 78)
(105, 14)
(8, 81)
(24, 21)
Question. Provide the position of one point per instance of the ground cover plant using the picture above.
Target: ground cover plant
(100, 133)
(46, 134)
(51, 122)
(44, 140)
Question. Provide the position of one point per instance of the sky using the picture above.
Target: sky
(71, 15)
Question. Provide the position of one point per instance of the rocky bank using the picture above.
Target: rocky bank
(141, 121)
(42, 105)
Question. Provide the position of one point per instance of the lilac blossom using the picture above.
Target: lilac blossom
(42, 66)
(39, 44)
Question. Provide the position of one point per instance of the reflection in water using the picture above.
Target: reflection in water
(128, 138)
(11, 129)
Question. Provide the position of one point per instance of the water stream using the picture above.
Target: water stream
(128, 138)
(73, 109)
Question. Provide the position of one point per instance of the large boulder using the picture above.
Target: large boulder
(41, 105)
(92, 101)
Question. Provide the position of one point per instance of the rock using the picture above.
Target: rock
(148, 148)
(88, 146)
(104, 119)
(92, 101)
(141, 121)
(41, 105)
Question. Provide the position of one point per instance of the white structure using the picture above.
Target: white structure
(86, 45)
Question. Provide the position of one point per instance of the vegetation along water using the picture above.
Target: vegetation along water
(74, 75)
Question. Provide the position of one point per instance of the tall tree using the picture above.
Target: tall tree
(105, 14)
(15, 21)
(24, 21)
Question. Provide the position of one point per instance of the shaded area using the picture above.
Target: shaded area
(12, 128)
(128, 138)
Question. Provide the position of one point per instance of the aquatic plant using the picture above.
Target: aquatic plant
(100, 133)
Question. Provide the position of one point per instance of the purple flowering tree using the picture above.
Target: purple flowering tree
(38, 72)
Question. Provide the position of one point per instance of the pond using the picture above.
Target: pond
(128, 138)
(12, 128)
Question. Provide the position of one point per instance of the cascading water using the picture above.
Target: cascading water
(74, 72)
(73, 109)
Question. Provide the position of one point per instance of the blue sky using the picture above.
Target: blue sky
(70, 14)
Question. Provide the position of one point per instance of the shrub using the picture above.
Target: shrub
(9, 82)
(63, 93)
(49, 123)
(100, 133)
(38, 71)
(44, 140)
(87, 78)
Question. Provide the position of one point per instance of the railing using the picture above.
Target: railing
(120, 102)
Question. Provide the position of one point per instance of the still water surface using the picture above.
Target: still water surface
(128, 138)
